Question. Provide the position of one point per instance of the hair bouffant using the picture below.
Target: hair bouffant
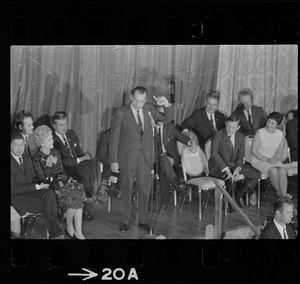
(40, 133)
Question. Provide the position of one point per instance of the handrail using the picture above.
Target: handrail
(218, 210)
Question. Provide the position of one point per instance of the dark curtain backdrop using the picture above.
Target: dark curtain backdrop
(89, 82)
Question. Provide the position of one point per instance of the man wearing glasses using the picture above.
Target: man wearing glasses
(131, 151)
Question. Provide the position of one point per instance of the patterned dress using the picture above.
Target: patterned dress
(72, 194)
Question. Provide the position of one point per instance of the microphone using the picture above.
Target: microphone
(152, 120)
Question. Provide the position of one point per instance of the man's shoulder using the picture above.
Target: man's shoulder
(220, 114)
(257, 108)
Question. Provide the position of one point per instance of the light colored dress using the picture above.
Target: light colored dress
(269, 144)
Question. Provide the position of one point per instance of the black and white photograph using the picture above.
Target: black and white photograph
(154, 141)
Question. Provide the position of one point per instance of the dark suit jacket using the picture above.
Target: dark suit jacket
(170, 136)
(77, 152)
(222, 155)
(292, 138)
(21, 182)
(271, 232)
(199, 123)
(259, 119)
(125, 140)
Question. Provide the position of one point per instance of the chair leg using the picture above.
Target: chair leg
(190, 193)
(175, 198)
(258, 193)
(200, 214)
(207, 198)
(247, 198)
(109, 204)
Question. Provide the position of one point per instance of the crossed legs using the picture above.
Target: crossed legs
(278, 179)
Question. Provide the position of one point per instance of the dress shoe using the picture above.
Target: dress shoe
(123, 227)
(144, 226)
(241, 203)
(60, 237)
(88, 216)
(69, 235)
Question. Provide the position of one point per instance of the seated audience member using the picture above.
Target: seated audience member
(280, 227)
(76, 164)
(227, 153)
(24, 123)
(15, 225)
(107, 176)
(27, 195)
(206, 121)
(48, 166)
(292, 134)
(251, 117)
(268, 153)
(168, 158)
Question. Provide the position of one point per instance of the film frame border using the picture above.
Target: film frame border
(275, 23)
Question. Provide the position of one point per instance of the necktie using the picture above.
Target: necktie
(212, 122)
(230, 139)
(284, 234)
(21, 163)
(139, 122)
(67, 145)
(159, 142)
(249, 118)
(27, 150)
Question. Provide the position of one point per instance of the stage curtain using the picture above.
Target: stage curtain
(89, 82)
(271, 71)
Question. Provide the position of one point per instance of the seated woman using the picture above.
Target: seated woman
(48, 165)
(268, 153)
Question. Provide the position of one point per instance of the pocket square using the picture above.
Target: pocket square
(75, 144)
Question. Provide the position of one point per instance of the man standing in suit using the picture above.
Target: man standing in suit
(76, 164)
(227, 152)
(206, 121)
(251, 117)
(168, 158)
(26, 195)
(131, 151)
(24, 124)
(280, 227)
(292, 134)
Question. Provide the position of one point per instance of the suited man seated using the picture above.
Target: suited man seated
(280, 227)
(251, 117)
(26, 194)
(168, 158)
(227, 152)
(206, 121)
(76, 164)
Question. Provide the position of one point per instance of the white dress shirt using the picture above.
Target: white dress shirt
(141, 113)
(280, 229)
(213, 119)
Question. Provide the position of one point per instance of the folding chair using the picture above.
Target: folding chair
(194, 165)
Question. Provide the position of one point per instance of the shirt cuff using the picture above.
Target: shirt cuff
(37, 186)
(224, 169)
(78, 160)
(185, 130)
(168, 105)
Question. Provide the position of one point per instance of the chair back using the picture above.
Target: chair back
(247, 148)
(193, 164)
(207, 149)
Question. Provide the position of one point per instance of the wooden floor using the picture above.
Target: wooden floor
(174, 225)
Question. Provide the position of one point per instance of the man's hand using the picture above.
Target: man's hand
(236, 173)
(114, 167)
(44, 185)
(194, 147)
(228, 175)
(113, 179)
(162, 101)
(85, 157)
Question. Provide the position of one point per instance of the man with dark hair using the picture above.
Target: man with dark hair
(76, 164)
(206, 121)
(280, 227)
(227, 153)
(251, 117)
(26, 194)
(131, 151)
(24, 124)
